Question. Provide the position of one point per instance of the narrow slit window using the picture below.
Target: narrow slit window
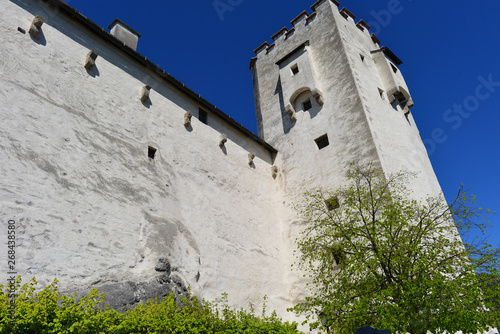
(203, 116)
(332, 203)
(151, 152)
(295, 69)
(381, 93)
(362, 57)
(394, 68)
(307, 105)
(322, 141)
(407, 116)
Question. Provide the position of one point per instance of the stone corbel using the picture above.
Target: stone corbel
(274, 171)
(290, 111)
(222, 140)
(36, 25)
(316, 93)
(410, 103)
(145, 93)
(251, 156)
(187, 118)
(90, 59)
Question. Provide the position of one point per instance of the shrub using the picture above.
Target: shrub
(48, 311)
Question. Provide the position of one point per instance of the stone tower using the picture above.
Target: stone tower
(327, 94)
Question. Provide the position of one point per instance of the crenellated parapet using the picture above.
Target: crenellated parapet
(304, 19)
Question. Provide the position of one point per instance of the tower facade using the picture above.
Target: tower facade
(328, 94)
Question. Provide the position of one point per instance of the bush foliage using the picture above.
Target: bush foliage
(49, 311)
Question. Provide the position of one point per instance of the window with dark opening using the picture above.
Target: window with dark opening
(362, 57)
(322, 142)
(295, 69)
(203, 116)
(407, 116)
(402, 99)
(394, 68)
(381, 93)
(307, 105)
(151, 152)
(338, 255)
(332, 203)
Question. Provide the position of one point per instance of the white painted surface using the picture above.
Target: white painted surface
(92, 208)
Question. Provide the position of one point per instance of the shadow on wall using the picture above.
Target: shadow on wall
(286, 120)
(39, 39)
(93, 72)
(146, 78)
(303, 100)
(167, 239)
(49, 14)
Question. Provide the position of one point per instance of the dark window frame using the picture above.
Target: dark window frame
(381, 93)
(203, 116)
(407, 116)
(152, 152)
(332, 203)
(322, 141)
(307, 105)
(394, 68)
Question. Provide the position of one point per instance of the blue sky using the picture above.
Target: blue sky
(450, 61)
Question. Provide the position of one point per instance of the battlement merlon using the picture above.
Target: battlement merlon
(317, 3)
(277, 35)
(362, 25)
(285, 33)
(346, 13)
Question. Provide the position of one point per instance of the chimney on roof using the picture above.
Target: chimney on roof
(124, 33)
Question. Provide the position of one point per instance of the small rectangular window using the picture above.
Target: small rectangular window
(307, 105)
(203, 116)
(151, 152)
(295, 69)
(362, 57)
(332, 203)
(394, 68)
(322, 141)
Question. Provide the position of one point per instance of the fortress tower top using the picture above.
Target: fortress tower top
(327, 82)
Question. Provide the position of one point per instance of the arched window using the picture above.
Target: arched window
(305, 99)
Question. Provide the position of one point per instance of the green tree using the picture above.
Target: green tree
(378, 257)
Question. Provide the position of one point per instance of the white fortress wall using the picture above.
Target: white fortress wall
(91, 207)
(94, 209)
